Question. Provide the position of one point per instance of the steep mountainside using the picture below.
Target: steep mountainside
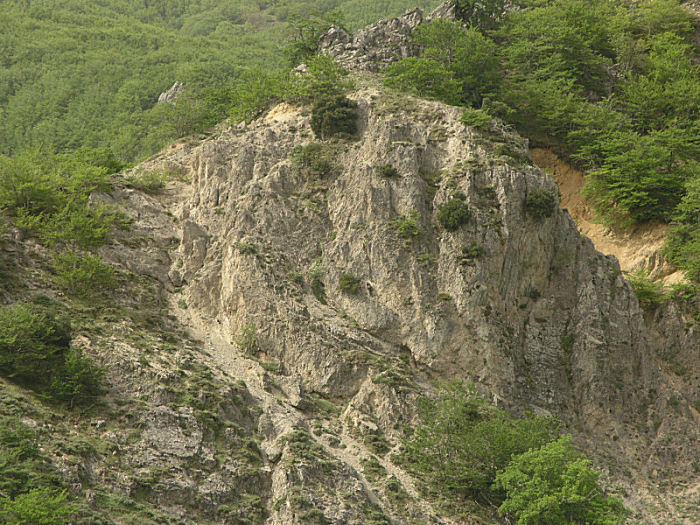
(286, 300)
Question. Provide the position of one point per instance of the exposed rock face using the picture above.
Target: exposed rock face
(532, 313)
(380, 44)
(171, 95)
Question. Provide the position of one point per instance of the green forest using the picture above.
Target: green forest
(76, 73)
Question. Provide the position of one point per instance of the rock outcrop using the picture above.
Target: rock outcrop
(523, 306)
(380, 44)
(171, 95)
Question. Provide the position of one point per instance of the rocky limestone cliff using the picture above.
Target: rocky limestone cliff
(538, 319)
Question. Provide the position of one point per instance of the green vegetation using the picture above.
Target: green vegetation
(388, 171)
(315, 160)
(37, 507)
(555, 485)
(149, 181)
(349, 284)
(316, 273)
(650, 293)
(540, 204)
(463, 442)
(683, 240)
(35, 352)
(457, 66)
(477, 118)
(466, 451)
(247, 338)
(406, 226)
(49, 197)
(454, 213)
(372, 469)
(334, 115)
(471, 252)
(22, 465)
(79, 73)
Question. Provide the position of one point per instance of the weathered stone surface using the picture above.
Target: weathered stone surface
(381, 44)
(171, 95)
(538, 319)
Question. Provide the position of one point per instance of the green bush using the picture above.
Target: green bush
(388, 171)
(453, 213)
(682, 246)
(33, 341)
(304, 32)
(78, 381)
(334, 115)
(458, 65)
(324, 78)
(35, 352)
(247, 338)
(149, 182)
(540, 204)
(477, 118)
(314, 160)
(471, 252)
(22, 466)
(470, 57)
(555, 485)
(348, 283)
(462, 442)
(255, 91)
(425, 78)
(650, 293)
(37, 507)
(484, 14)
(316, 274)
(83, 275)
(406, 226)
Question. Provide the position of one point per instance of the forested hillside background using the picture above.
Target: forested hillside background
(75, 73)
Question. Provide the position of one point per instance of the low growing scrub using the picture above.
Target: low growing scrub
(36, 352)
(471, 252)
(37, 507)
(149, 181)
(316, 274)
(406, 226)
(453, 213)
(477, 118)
(650, 293)
(333, 116)
(83, 275)
(315, 160)
(540, 204)
(388, 171)
(349, 284)
(247, 338)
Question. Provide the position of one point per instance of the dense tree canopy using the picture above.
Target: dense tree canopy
(76, 73)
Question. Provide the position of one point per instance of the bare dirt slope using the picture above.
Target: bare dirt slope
(637, 248)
